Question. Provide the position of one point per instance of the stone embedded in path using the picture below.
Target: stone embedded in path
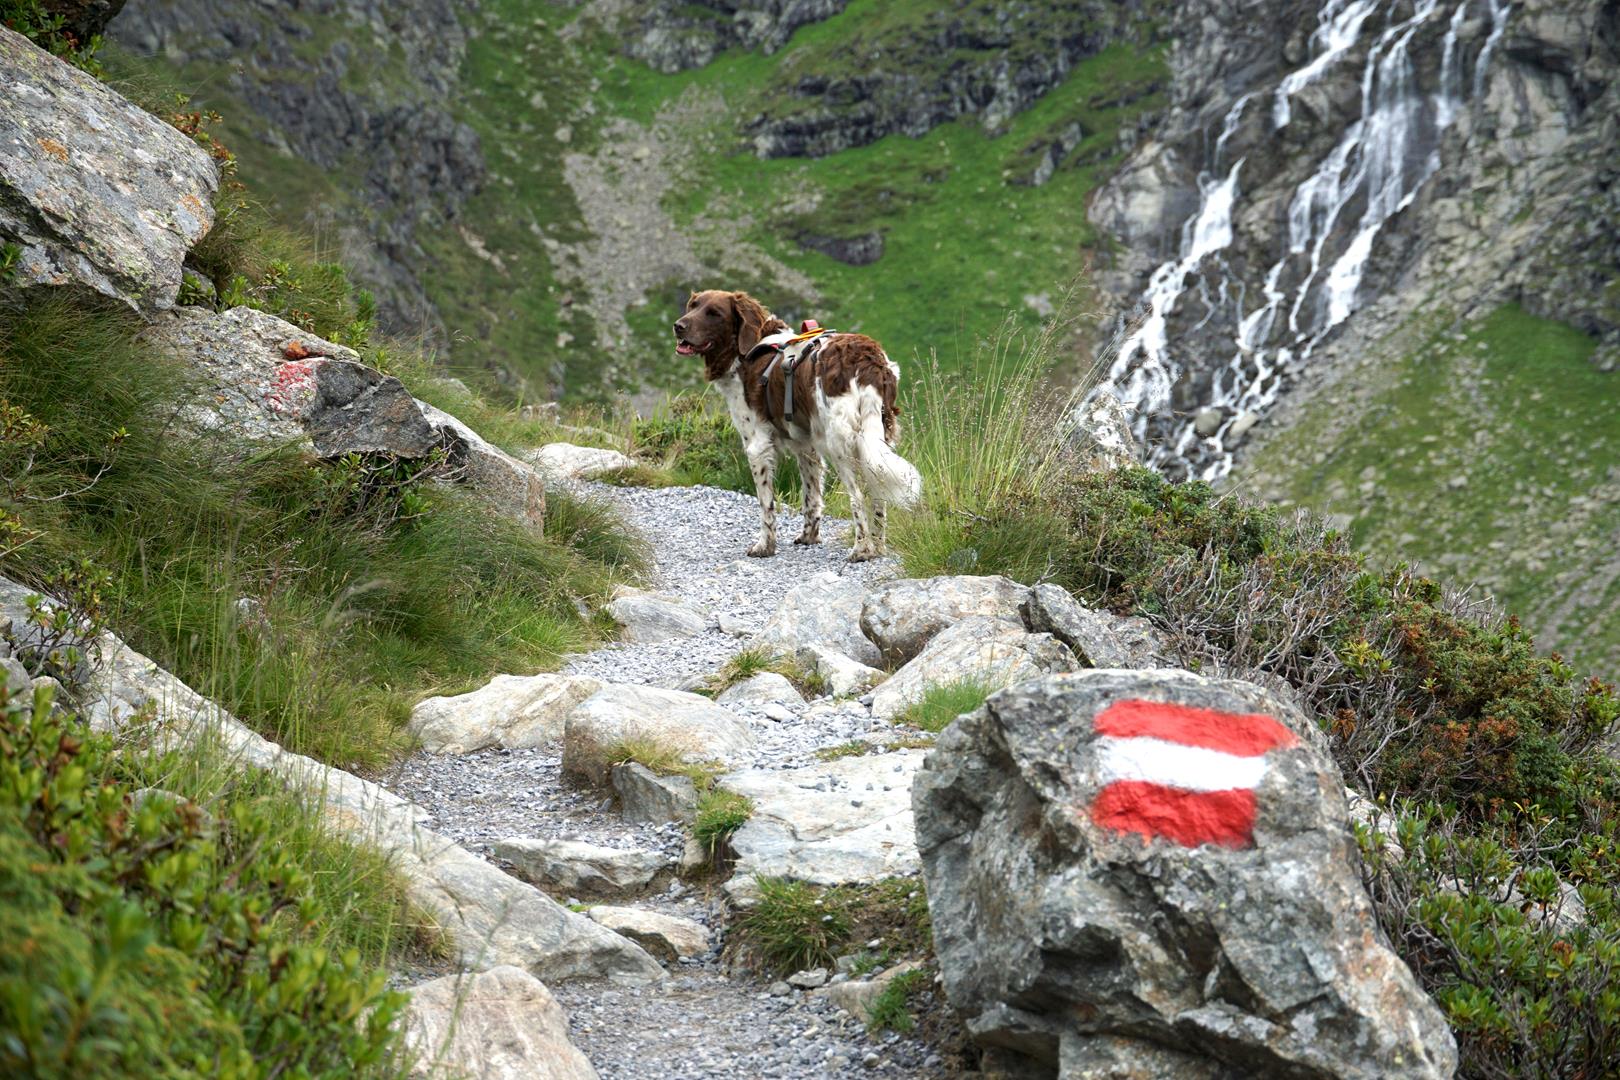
(566, 868)
(857, 996)
(644, 617)
(845, 677)
(757, 691)
(902, 616)
(668, 937)
(488, 917)
(824, 610)
(500, 1024)
(94, 189)
(1164, 861)
(511, 711)
(979, 649)
(560, 462)
(843, 821)
(644, 796)
(687, 724)
(1099, 639)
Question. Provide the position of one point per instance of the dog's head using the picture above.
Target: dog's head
(720, 327)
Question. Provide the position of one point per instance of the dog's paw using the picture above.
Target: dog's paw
(762, 550)
(862, 555)
(808, 537)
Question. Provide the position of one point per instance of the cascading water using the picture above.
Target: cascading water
(1374, 171)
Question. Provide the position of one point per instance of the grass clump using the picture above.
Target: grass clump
(664, 761)
(160, 937)
(719, 814)
(939, 705)
(853, 748)
(315, 600)
(795, 925)
(891, 1010)
(746, 664)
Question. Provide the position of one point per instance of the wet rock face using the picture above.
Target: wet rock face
(1151, 873)
(93, 190)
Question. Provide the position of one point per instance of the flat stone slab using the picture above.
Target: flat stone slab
(668, 937)
(823, 611)
(500, 1024)
(565, 461)
(688, 724)
(646, 617)
(829, 824)
(575, 868)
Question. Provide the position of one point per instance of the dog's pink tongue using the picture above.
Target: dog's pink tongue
(684, 349)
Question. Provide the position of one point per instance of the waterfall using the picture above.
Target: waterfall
(1334, 217)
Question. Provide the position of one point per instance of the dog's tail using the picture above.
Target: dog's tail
(890, 478)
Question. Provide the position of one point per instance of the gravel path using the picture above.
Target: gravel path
(702, 1022)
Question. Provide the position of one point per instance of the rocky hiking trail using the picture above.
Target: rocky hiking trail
(703, 1020)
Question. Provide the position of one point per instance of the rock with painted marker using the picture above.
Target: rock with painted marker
(1157, 868)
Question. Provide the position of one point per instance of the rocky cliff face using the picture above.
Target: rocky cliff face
(672, 37)
(1455, 153)
(369, 104)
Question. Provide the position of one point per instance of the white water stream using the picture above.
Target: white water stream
(1374, 171)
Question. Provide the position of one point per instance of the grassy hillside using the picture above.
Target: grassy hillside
(1486, 454)
(611, 189)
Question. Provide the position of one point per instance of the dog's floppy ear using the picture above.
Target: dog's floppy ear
(751, 319)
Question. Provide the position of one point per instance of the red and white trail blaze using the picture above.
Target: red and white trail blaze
(1182, 773)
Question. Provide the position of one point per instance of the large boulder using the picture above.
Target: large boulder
(668, 937)
(510, 711)
(902, 616)
(94, 190)
(990, 651)
(645, 796)
(645, 617)
(561, 462)
(687, 724)
(1099, 639)
(1152, 874)
(823, 611)
(264, 379)
(500, 1024)
(843, 821)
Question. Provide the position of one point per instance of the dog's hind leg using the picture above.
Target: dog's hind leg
(762, 463)
(812, 476)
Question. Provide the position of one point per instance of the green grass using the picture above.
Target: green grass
(719, 814)
(891, 1011)
(664, 761)
(750, 662)
(795, 925)
(939, 705)
(1487, 459)
(370, 596)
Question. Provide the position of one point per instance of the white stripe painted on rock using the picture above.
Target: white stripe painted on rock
(1191, 768)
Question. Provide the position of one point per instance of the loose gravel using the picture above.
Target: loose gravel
(703, 1022)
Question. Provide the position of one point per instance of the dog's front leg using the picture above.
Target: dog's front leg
(812, 475)
(762, 463)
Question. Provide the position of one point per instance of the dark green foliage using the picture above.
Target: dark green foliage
(796, 925)
(157, 939)
(939, 705)
(32, 20)
(892, 1009)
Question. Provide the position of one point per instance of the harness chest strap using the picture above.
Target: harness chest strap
(793, 350)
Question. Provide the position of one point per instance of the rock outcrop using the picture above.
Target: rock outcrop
(93, 190)
(902, 616)
(500, 1024)
(823, 612)
(262, 378)
(1152, 874)
(510, 711)
(987, 651)
(671, 37)
(687, 724)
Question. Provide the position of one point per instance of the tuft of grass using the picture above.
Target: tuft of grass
(941, 704)
(795, 925)
(664, 761)
(746, 664)
(719, 814)
(891, 1010)
(853, 748)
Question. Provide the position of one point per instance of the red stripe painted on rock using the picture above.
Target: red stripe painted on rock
(1190, 818)
(1243, 734)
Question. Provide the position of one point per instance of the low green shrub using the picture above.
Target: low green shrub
(719, 814)
(157, 937)
(48, 29)
(795, 925)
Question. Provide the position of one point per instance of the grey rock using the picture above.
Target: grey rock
(500, 1024)
(862, 250)
(757, 691)
(668, 937)
(676, 37)
(1099, 639)
(901, 616)
(560, 462)
(811, 979)
(575, 868)
(823, 611)
(981, 649)
(1098, 431)
(513, 487)
(1208, 420)
(14, 677)
(645, 796)
(1260, 955)
(687, 724)
(834, 823)
(644, 617)
(845, 677)
(94, 190)
(513, 711)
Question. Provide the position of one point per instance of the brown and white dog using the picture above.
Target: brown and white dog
(843, 412)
